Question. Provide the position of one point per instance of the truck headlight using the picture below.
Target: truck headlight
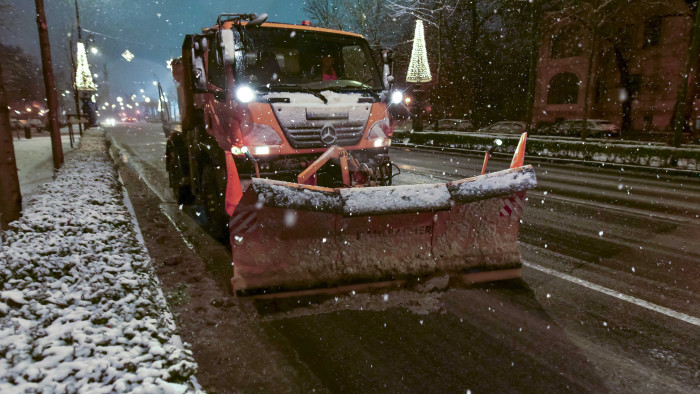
(396, 97)
(245, 94)
(380, 129)
(262, 150)
(260, 134)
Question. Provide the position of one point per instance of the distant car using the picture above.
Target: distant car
(15, 123)
(129, 120)
(506, 127)
(594, 128)
(109, 122)
(455, 125)
(36, 123)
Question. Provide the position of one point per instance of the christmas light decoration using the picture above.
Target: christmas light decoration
(128, 56)
(418, 68)
(83, 77)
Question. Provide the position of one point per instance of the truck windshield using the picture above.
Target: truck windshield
(286, 59)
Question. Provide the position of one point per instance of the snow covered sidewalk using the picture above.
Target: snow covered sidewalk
(80, 306)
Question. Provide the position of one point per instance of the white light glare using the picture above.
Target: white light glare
(245, 94)
(396, 97)
(498, 142)
(262, 150)
(378, 143)
(244, 149)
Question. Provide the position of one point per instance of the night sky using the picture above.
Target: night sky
(152, 30)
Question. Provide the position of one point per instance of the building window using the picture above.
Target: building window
(652, 32)
(563, 89)
(566, 43)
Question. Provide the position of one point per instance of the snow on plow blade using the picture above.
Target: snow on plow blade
(288, 236)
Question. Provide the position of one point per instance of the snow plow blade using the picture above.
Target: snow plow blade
(294, 237)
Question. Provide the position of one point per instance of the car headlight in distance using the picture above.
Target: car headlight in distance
(396, 97)
(110, 122)
(245, 94)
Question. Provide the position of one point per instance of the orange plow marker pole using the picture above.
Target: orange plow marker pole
(519, 156)
(486, 160)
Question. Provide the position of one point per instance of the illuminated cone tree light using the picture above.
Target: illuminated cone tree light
(85, 85)
(83, 77)
(418, 68)
(418, 72)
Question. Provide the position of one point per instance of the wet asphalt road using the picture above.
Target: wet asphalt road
(609, 299)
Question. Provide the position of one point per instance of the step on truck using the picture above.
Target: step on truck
(284, 140)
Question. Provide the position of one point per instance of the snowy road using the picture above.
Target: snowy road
(609, 299)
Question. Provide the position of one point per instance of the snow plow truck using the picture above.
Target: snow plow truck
(284, 142)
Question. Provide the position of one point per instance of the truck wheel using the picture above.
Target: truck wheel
(213, 198)
(178, 179)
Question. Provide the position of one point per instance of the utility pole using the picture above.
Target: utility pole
(75, 88)
(682, 101)
(50, 85)
(589, 72)
(534, 54)
(10, 196)
(75, 68)
(77, 18)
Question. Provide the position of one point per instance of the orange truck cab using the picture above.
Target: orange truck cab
(265, 100)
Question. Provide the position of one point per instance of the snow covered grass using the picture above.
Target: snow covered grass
(34, 160)
(80, 307)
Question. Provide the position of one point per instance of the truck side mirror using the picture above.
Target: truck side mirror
(257, 20)
(228, 47)
(199, 75)
(387, 70)
(387, 56)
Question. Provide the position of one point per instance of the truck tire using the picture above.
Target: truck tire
(213, 194)
(178, 177)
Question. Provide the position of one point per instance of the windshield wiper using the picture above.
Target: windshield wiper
(297, 88)
(361, 87)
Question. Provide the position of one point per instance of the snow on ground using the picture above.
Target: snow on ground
(80, 307)
(35, 160)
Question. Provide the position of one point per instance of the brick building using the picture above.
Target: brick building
(638, 57)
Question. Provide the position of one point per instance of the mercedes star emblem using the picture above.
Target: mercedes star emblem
(328, 135)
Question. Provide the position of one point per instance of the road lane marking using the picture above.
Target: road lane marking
(621, 296)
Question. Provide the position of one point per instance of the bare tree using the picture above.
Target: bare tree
(10, 196)
(369, 18)
(456, 32)
(324, 13)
